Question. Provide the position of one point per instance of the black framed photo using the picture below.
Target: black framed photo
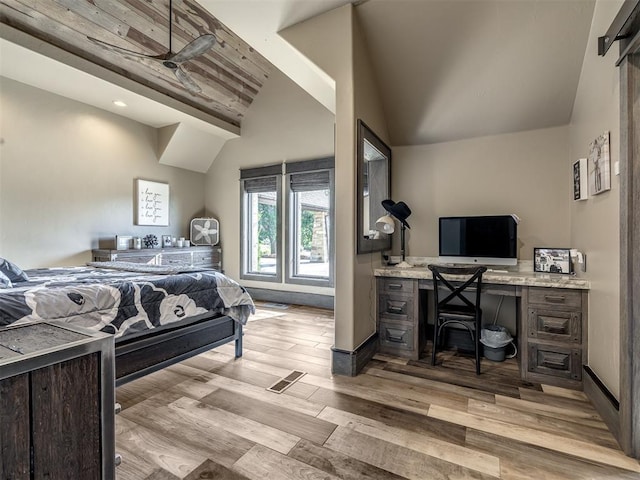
(166, 241)
(552, 260)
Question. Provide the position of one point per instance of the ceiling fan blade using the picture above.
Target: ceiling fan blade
(124, 51)
(194, 48)
(186, 80)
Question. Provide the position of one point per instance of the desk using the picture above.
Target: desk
(551, 319)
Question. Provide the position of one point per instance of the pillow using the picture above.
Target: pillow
(12, 271)
(4, 281)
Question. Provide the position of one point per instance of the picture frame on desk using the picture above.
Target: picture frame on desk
(166, 241)
(552, 260)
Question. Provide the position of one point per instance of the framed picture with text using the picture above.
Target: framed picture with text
(152, 203)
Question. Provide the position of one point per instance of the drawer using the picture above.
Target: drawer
(202, 258)
(555, 361)
(547, 324)
(555, 297)
(175, 259)
(148, 259)
(396, 307)
(396, 336)
(397, 285)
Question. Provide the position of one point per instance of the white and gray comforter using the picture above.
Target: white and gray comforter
(119, 301)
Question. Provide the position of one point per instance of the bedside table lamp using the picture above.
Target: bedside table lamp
(385, 224)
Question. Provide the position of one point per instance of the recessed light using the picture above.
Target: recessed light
(119, 103)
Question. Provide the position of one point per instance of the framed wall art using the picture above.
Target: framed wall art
(152, 203)
(552, 260)
(580, 179)
(599, 165)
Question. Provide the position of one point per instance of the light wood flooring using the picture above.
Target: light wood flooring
(211, 417)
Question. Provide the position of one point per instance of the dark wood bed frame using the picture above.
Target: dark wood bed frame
(140, 356)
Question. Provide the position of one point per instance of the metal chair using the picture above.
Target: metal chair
(467, 314)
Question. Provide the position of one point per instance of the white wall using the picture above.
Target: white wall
(67, 175)
(595, 224)
(523, 173)
(283, 124)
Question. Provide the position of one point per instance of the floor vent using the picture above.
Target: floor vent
(284, 383)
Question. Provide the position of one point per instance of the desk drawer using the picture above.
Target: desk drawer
(397, 285)
(397, 336)
(555, 360)
(556, 297)
(547, 324)
(396, 307)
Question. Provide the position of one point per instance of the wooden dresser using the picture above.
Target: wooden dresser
(208, 257)
(56, 403)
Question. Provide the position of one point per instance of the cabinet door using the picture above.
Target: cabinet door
(14, 433)
(66, 419)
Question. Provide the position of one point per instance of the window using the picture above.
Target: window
(308, 253)
(261, 223)
(310, 222)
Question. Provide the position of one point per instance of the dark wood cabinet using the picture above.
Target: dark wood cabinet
(56, 403)
(400, 326)
(555, 329)
(201, 256)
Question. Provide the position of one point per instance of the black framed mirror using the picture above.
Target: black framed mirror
(374, 185)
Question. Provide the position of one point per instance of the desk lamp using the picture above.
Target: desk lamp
(386, 224)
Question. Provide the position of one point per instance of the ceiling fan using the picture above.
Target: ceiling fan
(169, 59)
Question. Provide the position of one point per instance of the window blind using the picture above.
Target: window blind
(261, 184)
(261, 179)
(310, 175)
(306, 182)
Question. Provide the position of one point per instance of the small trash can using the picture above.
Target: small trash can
(495, 340)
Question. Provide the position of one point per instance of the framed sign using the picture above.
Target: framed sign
(552, 260)
(153, 203)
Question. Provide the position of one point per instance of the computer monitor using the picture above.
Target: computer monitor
(488, 240)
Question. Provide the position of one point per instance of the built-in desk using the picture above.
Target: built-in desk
(551, 319)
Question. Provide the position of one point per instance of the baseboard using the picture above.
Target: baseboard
(344, 362)
(603, 400)
(293, 298)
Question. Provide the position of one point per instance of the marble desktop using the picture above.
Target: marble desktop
(522, 274)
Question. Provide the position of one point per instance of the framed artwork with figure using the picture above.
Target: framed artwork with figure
(599, 165)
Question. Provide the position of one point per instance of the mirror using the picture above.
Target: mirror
(374, 185)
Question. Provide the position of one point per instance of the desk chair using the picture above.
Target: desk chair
(447, 312)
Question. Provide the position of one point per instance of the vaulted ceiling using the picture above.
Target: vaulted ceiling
(446, 69)
(229, 75)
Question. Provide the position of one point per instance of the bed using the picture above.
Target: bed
(159, 315)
